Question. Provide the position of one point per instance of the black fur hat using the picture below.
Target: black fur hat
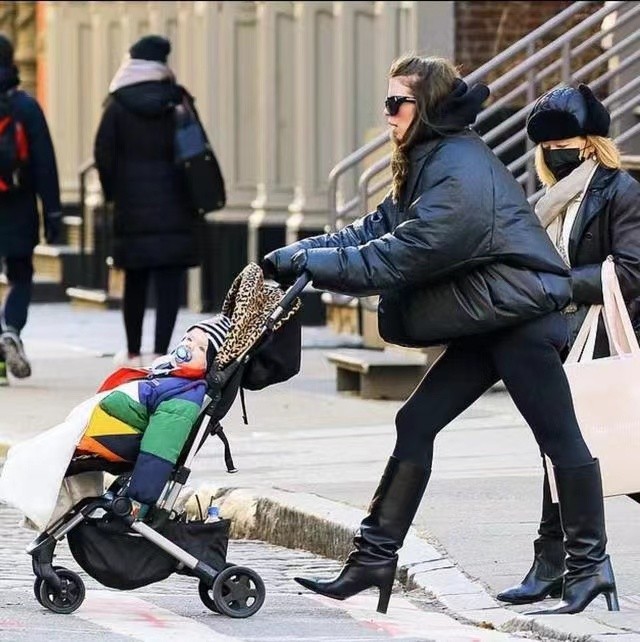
(566, 112)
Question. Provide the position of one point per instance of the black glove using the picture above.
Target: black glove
(53, 228)
(277, 265)
(268, 266)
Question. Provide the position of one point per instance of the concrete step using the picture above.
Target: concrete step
(343, 313)
(379, 374)
(45, 290)
(93, 299)
(60, 263)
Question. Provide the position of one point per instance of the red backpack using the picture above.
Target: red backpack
(14, 148)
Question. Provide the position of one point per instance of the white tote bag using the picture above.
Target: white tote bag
(606, 391)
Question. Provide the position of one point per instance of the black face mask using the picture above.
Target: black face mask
(562, 162)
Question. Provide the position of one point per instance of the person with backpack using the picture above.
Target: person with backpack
(28, 170)
(156, 229)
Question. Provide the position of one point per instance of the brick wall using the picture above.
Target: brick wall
(484, 29)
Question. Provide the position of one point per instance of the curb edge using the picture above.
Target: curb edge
(325, 527)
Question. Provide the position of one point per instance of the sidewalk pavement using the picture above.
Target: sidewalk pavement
(311, 458)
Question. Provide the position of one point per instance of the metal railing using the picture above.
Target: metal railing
(530, 70)
(95, 248)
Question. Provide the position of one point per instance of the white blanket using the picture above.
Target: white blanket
(33, 480)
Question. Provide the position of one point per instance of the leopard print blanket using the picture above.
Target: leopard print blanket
(248, 304)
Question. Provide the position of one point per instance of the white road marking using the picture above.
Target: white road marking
(141, 620)
(404, 619)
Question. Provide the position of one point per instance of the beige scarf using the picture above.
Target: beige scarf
(551, 208)
(133, 71)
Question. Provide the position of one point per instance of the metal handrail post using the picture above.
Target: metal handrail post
(83, 171)
(365, 179)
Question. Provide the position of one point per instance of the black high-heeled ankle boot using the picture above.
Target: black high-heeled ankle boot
(589, 572)
(545, 575)
(374, 559)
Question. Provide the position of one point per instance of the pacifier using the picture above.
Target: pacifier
(182, 354)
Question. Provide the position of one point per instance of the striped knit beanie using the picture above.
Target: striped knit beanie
(216, 328)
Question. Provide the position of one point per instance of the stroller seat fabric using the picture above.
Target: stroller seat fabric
(249, 303)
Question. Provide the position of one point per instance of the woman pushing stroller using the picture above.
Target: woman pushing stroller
(458, 257)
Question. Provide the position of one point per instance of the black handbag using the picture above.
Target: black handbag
(193, 154)
(278, 359)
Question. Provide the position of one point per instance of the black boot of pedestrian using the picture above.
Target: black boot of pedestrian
(544, 578)
(374, 559)
(589, 571)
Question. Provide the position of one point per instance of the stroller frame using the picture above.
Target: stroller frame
(62, 591)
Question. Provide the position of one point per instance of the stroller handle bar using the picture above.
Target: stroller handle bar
(291, 295)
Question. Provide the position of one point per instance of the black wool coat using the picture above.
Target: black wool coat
(154, 223)
(606, 224)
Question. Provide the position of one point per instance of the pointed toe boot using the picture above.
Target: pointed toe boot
(374, 559)
(355, 577)
(588, 568)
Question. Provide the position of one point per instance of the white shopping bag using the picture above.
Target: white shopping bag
(606, 392)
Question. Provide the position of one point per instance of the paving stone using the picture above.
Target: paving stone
(446, 581)
(468, 601)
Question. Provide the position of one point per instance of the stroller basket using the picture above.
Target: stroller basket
(124, 560)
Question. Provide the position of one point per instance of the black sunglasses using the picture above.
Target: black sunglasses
(392, 103)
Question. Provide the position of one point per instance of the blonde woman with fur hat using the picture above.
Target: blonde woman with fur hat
(591, 210)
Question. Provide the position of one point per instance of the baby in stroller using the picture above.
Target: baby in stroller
(140, 418)
(153, 421)
(148, 420)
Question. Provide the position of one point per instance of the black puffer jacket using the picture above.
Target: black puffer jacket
(466, 255)
(154, 225)
(19, 218)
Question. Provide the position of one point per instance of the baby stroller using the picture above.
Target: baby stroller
(120, 552)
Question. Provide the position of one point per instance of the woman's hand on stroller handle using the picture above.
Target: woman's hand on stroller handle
(284, 265)
(294, 291)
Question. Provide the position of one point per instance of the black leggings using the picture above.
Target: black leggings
(169, 284)
(527, 359)
(16, 303)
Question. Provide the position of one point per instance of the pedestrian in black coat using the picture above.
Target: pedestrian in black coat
(458, 257)
(19, 217)
(156, 231)
(592, 211)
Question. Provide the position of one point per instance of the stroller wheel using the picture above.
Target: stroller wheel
(206, 594)
(37, 583)
(69, 598)
(238, 592)
(205, 591)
